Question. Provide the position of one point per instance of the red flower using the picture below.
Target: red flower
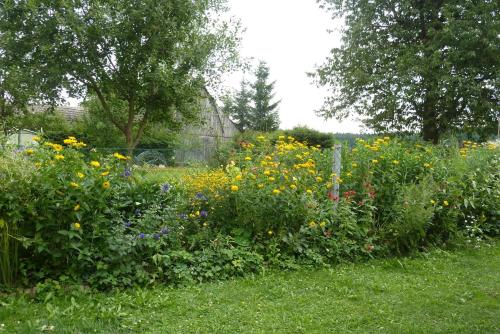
(349, 194)
(332, 197)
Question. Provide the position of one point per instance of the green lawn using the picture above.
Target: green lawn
(440, 292)
(168, 174)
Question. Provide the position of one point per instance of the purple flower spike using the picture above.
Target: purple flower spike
(127, 172)
(203, 214)
(142, 236)
(165, 187)
(201, 197)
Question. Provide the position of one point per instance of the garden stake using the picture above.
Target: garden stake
(337, 154)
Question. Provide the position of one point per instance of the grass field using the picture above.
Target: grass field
(168, 174)
(439, 292)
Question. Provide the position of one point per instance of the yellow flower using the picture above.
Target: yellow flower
(260, 186)
(261, 138)
(270, 232)
(234, 188)
(293, 187)
(59, 157)
(354, 165)
(281, 137)
(395, 162)
(312, 224)
(322, 224)
(319, 179)
(76, 226)
(106, 173)
(427, 165)
(57, 147)
(38, 164)
(119, 156)
(309, 191)
(70, 141)
(74, 185)
(79, 144)
(77, 207)
(205, 224)
(266, 172)
(248, 159)
(29, 151)
(276, 191)
(238, 177)
(95, 164)
(106, 184)
(433, 202)
(36, 138)
(349, 174)
(445, 203)
(80, 175)
(375, 161)
(271, 178)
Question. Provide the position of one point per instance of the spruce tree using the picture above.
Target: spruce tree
(265, 115)
(238, 107)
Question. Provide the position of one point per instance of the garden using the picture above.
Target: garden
(73, 216)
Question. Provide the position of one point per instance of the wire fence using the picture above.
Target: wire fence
(178, 156)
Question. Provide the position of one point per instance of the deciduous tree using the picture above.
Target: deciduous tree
(420, 65)
(143, 61)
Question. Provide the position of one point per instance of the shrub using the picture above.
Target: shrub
(311, 137)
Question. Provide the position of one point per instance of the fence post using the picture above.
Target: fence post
(337, 162)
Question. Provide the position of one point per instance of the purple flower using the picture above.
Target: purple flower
(157, 236)
(201, 197)
(127, 223)
(142, 236)
(127, 172)
(164, 230)
(165, 188)
(203, 214)
(183, 216)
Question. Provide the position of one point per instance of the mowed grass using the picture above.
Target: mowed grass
(439, 292)
(167, 174)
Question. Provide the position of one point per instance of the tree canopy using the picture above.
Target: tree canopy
(415, 65)
(143, 61)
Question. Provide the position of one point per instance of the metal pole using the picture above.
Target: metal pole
(337, 162)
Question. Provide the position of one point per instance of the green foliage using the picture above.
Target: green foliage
(53, 124)
(143, 62)
(311, 137)
(428, 66)
(265, 114)
(412, 216)
(270, 207)
(239, 107)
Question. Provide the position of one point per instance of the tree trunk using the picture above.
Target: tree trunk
(430, 129)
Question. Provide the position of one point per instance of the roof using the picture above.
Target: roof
(70, 113)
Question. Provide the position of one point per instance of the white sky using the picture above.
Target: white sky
(291, 36)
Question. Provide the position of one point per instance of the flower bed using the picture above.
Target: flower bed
(87, 218)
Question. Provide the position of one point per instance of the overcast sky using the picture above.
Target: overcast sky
(291, 36)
